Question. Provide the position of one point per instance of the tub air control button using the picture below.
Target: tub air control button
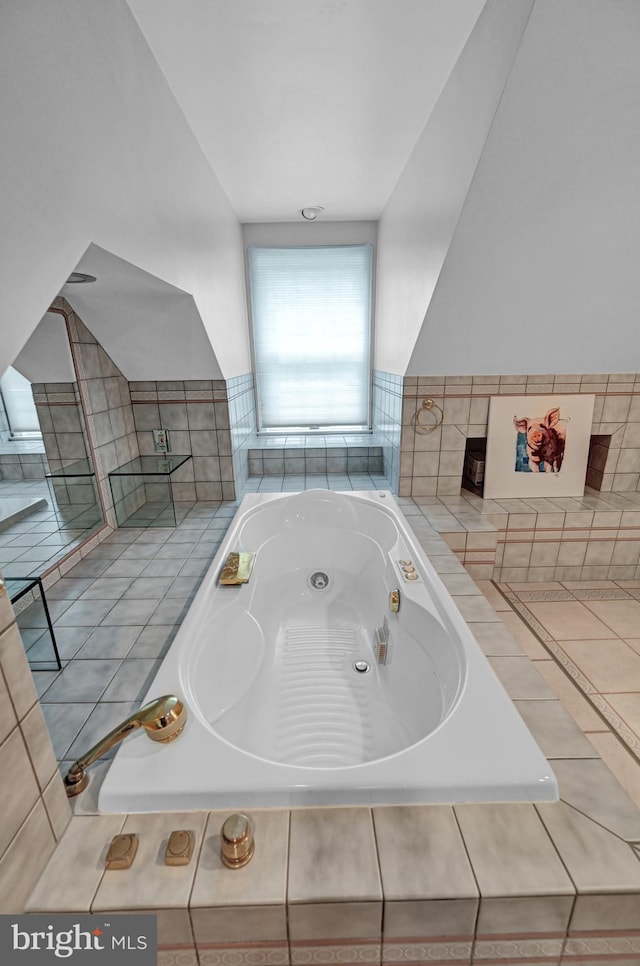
(404, 563)
(236, 841)
(179, 847)
(413, 576)
(409, 569)
(122, 851)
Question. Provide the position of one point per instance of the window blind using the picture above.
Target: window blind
(311, 316)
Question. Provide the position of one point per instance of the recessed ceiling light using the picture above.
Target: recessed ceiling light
(79, 278)
(312, 212)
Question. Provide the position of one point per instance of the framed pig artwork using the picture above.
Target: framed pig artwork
(538, 445)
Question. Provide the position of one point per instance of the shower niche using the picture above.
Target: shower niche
(475, 456)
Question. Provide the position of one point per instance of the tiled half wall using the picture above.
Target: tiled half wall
(386, 421)
(431, 463)
(596, 539)
(242, 424)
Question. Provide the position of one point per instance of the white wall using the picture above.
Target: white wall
(46, 356)
(310, 233)
(95, 149)
(420, 218)
(543, 273)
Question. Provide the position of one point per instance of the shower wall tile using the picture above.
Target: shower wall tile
(262, 882)
(326, 874)
(195, 414)
(445, 871)
(511, 853)
(240, 924)
(24, 859)
(249, 905)
(72, 876)
(98, 422)
(139, 890)
(386, 422)
(465, 404)
(275, 954)
(242, 425)
(32, 812)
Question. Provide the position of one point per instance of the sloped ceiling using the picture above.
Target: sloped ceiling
(541, 275)
(151, 330)
(317, 102)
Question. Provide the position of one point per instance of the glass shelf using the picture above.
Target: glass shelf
(151, 466)
(142, 492)
(33, 618)
(74, 495)
(79, 468)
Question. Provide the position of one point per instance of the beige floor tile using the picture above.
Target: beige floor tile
(530, 585)
(628, 707)
(569, 621)
(634, 643)
(571, 697)
(622, 616)
(589, 584)
(610, 665)
(493, 595)
(621, 763)
(527, 641)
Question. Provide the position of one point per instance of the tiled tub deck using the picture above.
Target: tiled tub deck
(593, 537)
(515, 883)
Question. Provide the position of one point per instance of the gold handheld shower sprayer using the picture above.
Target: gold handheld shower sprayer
(162, 719)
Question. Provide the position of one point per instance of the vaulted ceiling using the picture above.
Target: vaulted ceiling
(318, 102)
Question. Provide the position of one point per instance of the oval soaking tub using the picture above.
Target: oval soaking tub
(306, 687)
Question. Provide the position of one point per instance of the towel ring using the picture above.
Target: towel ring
(428, 405)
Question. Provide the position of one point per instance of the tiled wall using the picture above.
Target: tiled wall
(4, 422)
(22, 466)
(104, 393)
(476, 883)
(431, 463)
(34, 807)
(196, 415)
(61, 422)
(64, 436)
(242, 424)
(19, 460)
(387, 419)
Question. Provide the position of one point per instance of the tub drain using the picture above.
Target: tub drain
(319, 580)
(361, 667)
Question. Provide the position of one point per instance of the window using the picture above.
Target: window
(311, 314)
(19, 405)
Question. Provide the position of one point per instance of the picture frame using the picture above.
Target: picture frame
(538, 446)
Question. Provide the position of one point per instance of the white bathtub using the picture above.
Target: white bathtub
(278, 713)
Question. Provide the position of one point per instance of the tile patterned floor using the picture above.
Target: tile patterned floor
(34, 543)
(585, 639)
